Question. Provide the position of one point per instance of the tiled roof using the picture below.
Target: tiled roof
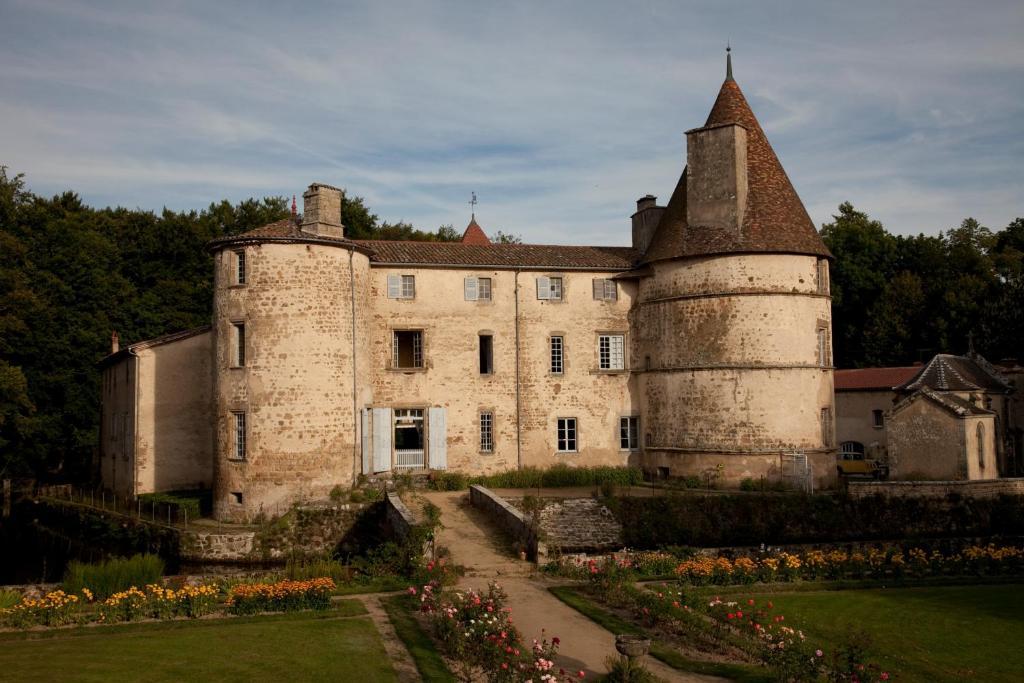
(474, 234)
(946, 372)
(457, 254)
(878, 379)
(155, 341)
(951, 402)
(284, 230)
(775, 220)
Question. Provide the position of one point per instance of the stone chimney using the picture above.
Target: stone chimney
(321, 211)
(716, 176)
(645, 220)
(115, 343)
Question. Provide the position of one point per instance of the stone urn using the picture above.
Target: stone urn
(632, 646)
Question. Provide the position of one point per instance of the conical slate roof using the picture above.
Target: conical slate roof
(775, 220)
(474, 234)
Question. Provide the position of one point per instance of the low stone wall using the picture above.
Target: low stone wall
(401, 521)
(508, 518)
(580, 525)
(216, 546)
(984, 488)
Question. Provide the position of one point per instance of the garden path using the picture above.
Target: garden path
(475, 544)
(401, 660)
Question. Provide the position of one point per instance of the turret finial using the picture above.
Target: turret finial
(728, 61)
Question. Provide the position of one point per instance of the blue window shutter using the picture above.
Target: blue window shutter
(381, 439)
(365, 439)
(438, 435)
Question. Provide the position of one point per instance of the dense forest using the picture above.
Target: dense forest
(69, 274)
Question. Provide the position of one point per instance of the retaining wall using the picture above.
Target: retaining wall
(401, 522)
(984, 488)
(508, 518)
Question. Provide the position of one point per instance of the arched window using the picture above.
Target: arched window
(980, 432)
(851, 450)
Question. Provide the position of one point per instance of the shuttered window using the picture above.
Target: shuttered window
(401, 286)
(477, 288)
(605, 290)
(549, 288)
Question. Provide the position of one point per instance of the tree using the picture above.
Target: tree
(506, 238)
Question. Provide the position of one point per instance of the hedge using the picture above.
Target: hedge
(559, 476)
(732, 520)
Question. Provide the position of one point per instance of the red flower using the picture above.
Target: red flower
(555, 640)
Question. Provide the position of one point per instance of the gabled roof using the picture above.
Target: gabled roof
(126, 351)
(474, 234)
(873, 379)
(775, 220)
(948, 402)
(946, 372)
(532, 256)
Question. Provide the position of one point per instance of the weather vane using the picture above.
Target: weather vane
(472, 204)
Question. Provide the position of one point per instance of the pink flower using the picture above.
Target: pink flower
(412, 590)
(818, 653)
(884, 676)
(555, 640)
(580, 674)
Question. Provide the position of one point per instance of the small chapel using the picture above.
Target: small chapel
(702, 345)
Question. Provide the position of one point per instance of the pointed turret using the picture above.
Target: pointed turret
(734, 195)
(474, 234)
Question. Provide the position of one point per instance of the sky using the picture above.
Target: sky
(557, 114)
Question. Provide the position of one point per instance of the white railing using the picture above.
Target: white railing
(410, 459)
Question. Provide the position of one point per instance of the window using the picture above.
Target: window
(477, 288)
(851, 450)
(486, 432)
(236, 497)
(878, 418)
(567, 435)
(238, 360)
(980, 435)
(822, 276)
(826, 427)
(239, 435)
(611, 351)
(822, 347)
(409, 441)
(557, 360)
(401, 286)
(240, 266)
(486, 354)
(629, 433)
(407, 351)
(605, 290)
(549, 288)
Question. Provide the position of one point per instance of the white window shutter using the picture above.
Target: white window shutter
(598, 289)
(394, 286)
(365, 441)
(438, 435)
(543, 288)
(381, 439)
(471, 289)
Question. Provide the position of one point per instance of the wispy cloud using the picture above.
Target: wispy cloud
(557, 114)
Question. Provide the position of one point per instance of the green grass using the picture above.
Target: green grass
(316, 646)
(936, 634)
(418, 643)
(616, 624)
(377, 584)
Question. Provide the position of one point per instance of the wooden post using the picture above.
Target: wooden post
(7, 497)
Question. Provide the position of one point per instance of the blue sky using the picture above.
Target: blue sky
(558, 114)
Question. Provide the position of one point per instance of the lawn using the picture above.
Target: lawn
(315, 646)
(953, 633)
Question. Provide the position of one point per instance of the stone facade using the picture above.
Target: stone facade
(705, 346)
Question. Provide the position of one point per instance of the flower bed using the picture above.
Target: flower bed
(785, 650)
(283, 596)
(841, 564)
(155, 601)
(476, 635)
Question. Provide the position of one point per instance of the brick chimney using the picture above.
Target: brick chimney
(115, 344)
(716, 176)
(321, 211)
(645, 220)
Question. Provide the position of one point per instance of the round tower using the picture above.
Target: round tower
(286, 365)
(733, 320)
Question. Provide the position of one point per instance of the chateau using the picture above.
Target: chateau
(703, 347)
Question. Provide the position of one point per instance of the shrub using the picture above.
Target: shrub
(748, 484)
(303, 570)
(559, 476)
(9, 598)
(113, 575)
(184, 503)
(622, 670)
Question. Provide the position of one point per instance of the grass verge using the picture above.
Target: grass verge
(384, 584)
(418, 643)
(616, 624)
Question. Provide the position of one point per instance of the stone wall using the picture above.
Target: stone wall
(579, 525)
(986, 488)
(401, 523)
(514, 522)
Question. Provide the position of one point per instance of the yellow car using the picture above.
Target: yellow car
(858, 465)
